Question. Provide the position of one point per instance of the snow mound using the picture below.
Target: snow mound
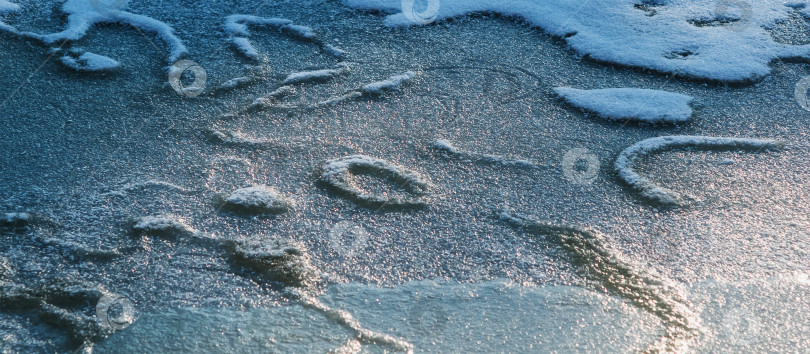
(315, 75)
(446, 146)
(338, 174)
(392, 83)
(625, 163)
(162, 225)
(683, 37)
(651, 106)
(606, 266)
(284, 261)
(90, 62)
(258, 200)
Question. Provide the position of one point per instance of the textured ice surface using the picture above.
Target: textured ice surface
(685, 37)
(651, 106)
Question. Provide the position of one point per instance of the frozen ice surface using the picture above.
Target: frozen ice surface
(651, 106)
(88, 154)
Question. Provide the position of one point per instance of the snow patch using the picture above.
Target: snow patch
(625, 163)
(651, 106)
(90, 62)
(616, 32)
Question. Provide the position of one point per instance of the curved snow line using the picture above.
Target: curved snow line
(614, 275)
(337, 175)
(83, 15)
(618, 32)
(624, 164)
(236, 27)
(446, 146)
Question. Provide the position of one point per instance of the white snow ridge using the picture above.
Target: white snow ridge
(624, 164)
(651, 106)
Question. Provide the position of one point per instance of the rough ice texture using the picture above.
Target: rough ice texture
(625, 163)
(605, 265)
(284, 261)
(392, 83)
(61, 303)
(337, 174)
(15, 219)
(82, 15)
(258, 200)
(644, 105)
(315, 75)
(684, 37)
(163, 225)
(90, 62)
